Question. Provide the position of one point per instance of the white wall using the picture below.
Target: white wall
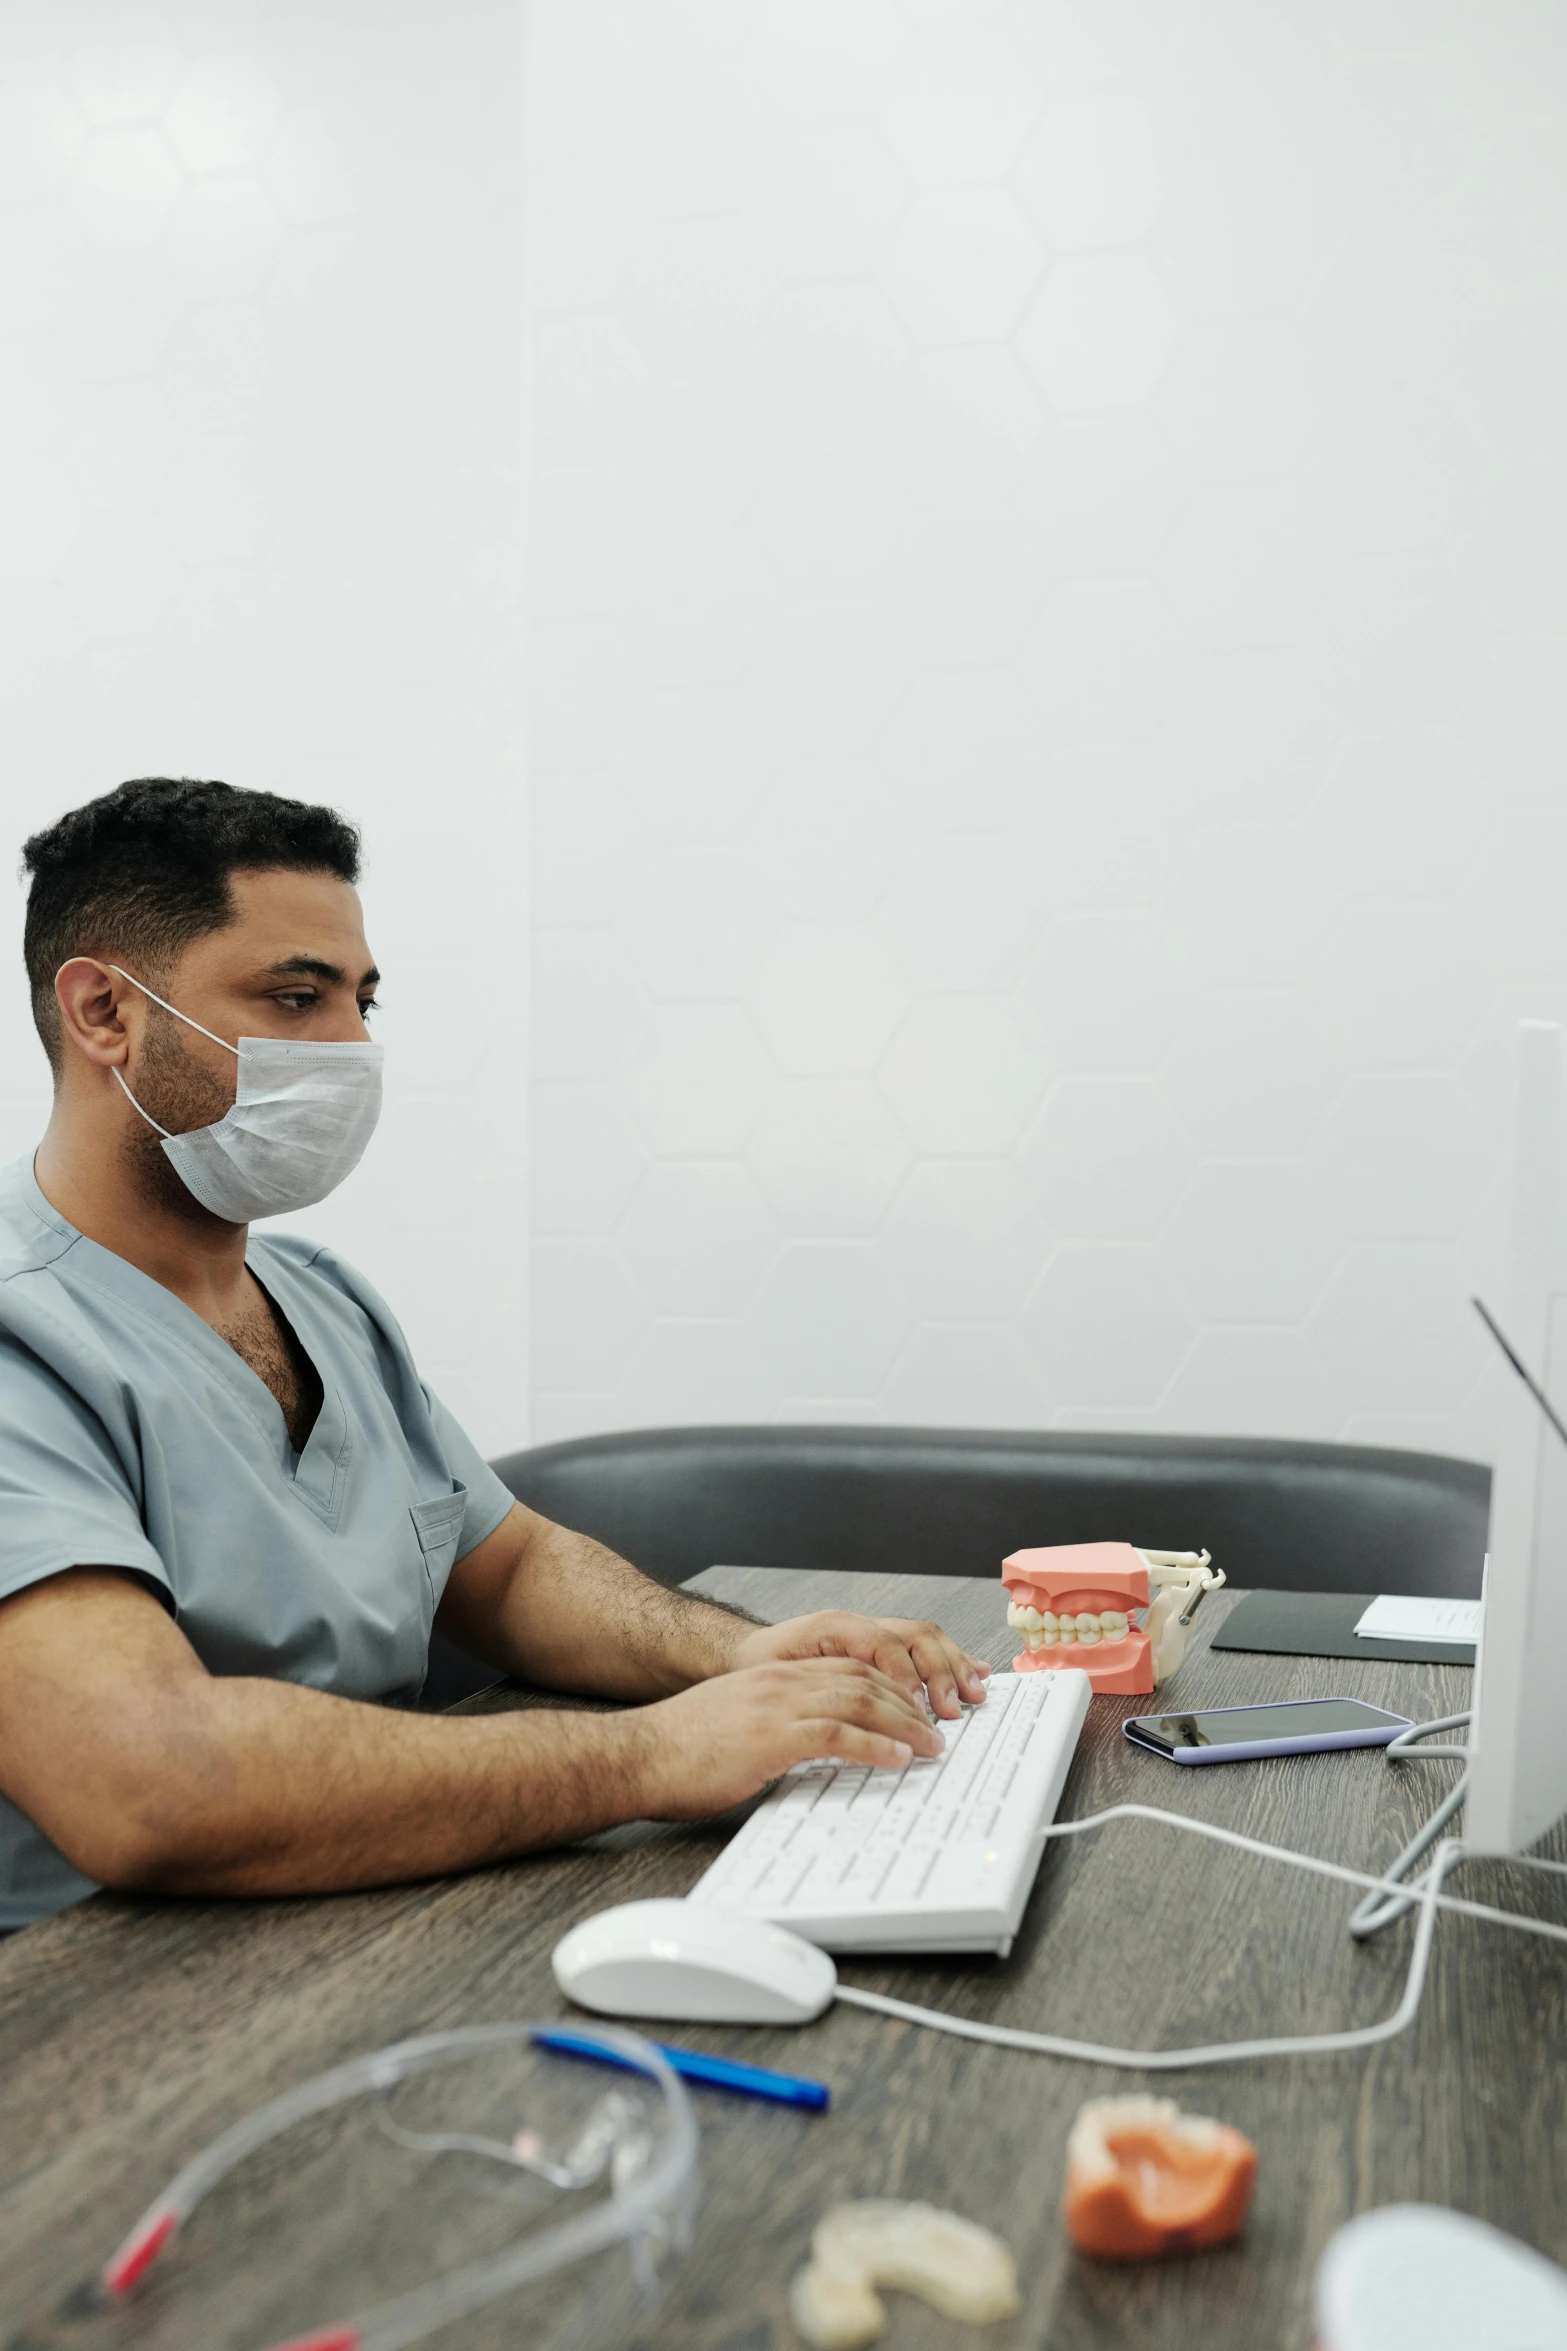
(1048, 742)
(260, 494)
(1046, 591)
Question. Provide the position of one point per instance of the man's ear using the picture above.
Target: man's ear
(90, 995)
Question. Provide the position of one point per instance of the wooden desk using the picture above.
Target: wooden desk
(131, 2033)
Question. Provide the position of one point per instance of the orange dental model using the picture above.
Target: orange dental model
(1073, 1604)
(1142, 2178)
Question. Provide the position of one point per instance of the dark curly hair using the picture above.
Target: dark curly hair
(145, 869)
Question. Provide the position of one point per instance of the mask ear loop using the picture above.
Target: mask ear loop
(136, 1106)
(189, 1023)
(174, 1008)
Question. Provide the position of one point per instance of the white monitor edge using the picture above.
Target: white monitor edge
(1518, 1779)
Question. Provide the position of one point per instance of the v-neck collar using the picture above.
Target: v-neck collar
(318, 1472)
(321, 1465)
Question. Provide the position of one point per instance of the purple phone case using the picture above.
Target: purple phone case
(1255, 1751)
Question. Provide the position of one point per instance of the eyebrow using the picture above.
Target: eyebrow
(312, 967)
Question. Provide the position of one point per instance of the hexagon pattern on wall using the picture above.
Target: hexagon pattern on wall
(1066, 975)
(260, 518)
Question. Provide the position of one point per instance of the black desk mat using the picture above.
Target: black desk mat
(1322, 1624)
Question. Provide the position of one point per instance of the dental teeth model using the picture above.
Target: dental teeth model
(1073, 1604)
(1142, 2178)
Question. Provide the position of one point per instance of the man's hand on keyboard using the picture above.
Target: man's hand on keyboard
(915, 1655)
(722, 1740)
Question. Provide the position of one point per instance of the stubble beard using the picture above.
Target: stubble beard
(180, 1093)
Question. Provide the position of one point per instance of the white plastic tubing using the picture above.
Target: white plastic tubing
(653, 2205)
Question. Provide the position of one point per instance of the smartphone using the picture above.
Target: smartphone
(1240, 1734)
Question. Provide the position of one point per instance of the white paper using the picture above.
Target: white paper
(1393, 1617)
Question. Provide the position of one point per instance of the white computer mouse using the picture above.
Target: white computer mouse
(690, 1961)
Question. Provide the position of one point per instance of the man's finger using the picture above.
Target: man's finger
(936, 1662)
(874, 1739)
(970, 1673)
(948, 1672)
(880, 1641)
(853, 1687)
(865, 1699)
(844, 1742)
(858, 1669)
(919, 1658)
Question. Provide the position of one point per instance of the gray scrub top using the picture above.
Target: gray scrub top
(132, 1436)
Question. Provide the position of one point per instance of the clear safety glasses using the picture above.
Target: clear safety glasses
(625, 2154)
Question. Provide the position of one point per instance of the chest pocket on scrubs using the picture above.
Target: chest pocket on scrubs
(438, 1525)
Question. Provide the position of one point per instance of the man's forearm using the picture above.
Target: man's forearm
(571, 1615)
(150, 1773)
(269, 1788)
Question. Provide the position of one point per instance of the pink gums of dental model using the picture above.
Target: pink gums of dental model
(1073, 1579)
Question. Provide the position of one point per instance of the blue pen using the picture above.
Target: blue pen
(752, 2081)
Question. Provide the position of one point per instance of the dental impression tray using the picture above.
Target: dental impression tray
(959, 2268)
(1075, 1604)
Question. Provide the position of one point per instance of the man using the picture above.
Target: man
(230, 1513)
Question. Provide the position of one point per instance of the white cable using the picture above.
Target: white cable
(1327, 1869)
(1402, 1749)
(1426, 1897)
(1373, 1915)
(1558, 1869)
(1377, 1912)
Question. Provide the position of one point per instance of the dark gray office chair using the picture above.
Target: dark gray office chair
(1276, 1515)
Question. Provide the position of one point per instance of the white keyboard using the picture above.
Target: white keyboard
(937, 1857)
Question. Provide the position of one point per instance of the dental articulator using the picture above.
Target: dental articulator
(1077, 1604)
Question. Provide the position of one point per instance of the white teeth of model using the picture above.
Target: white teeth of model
(1088, 1622)
(1113, 1624)
(1069, 1632)
(1087, 1638)
(1034, 1621)
(1014, 1615)
(1050, 1621)
(1051, 1636)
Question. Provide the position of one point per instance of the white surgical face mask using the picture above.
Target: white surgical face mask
(302, 1116)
